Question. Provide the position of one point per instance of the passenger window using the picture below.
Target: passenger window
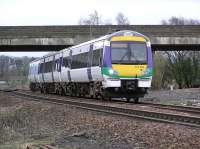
(79, 60)
(96, 57)
(48, 67)
(65, 62)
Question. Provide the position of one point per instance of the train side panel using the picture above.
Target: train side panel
(65, 67)
(79, 71)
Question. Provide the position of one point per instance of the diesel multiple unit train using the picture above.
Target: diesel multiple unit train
(115, 65)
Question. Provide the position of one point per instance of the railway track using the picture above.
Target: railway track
(193, 121)
(40, 147)
(186, 109)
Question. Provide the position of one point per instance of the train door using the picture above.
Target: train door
(41, 70)
(96, 61)
(65, 67)
(48, 69)
(57, 67)
(89, 63)
(37, 72)
(34, 72)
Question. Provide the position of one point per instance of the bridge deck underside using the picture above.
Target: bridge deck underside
(176, 47)
(31, 48)
(40, 48)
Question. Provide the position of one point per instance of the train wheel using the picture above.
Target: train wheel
(136, 100)
(102, 98)
(56, 91)
(44, 90)
(62, 92)
(128, 99)
(91, 92)
(109, 99)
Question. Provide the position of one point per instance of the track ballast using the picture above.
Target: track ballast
(193, 121)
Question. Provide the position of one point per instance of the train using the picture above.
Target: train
(117, 65)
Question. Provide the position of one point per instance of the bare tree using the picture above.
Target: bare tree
(180, 21)
(183, 65)
(122, 20)
(93, 19)
(14, 70)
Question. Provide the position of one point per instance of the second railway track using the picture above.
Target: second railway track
(193, 121)
(188, 109)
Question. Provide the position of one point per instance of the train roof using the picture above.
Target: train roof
(128, 33)
(109, 36)
(105, 37)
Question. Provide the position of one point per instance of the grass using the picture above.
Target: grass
(19, 125)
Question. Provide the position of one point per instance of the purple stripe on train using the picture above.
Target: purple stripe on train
(106, 57)
(149, 57)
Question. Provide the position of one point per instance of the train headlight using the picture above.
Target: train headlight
(144, 72)
(112, 72)
(147, 71)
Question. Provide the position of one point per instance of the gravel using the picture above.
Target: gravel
(68, 127)
(179, 96)
(123, 104)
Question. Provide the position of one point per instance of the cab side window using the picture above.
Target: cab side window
(65, 62)
(96, 57)
(41, 67)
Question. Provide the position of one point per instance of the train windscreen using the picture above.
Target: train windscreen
(128, 53)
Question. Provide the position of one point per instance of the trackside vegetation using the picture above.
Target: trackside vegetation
(180, 69)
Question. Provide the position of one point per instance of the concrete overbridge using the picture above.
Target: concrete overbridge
(54, 38)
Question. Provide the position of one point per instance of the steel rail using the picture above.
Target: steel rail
(40, 147)
(187, 109)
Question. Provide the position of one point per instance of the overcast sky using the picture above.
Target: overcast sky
(68, 12)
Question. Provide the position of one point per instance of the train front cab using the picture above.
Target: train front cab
(127, 67)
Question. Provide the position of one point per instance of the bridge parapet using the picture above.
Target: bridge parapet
(37, 38)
